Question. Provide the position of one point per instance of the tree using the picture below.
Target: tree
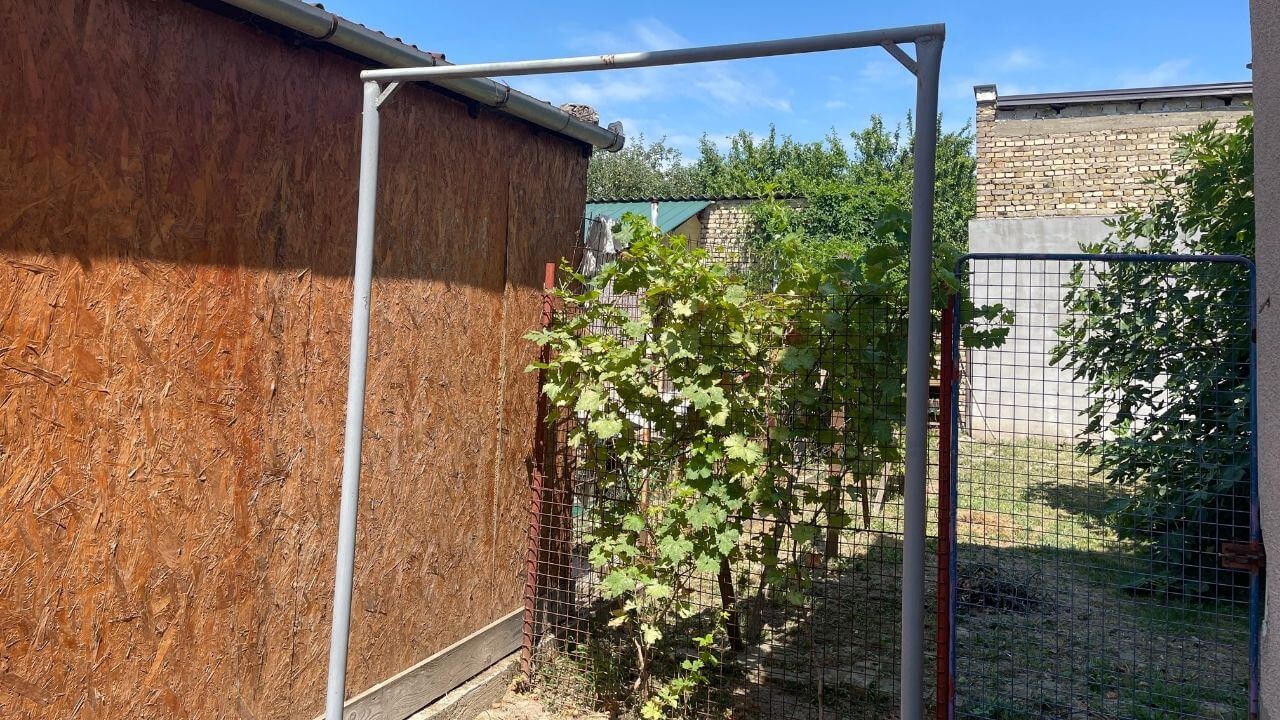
(640, 170)
(694, 407)
(768, 165)
(1166, 352)
(879, 177)
(842, 215)
(847, 184)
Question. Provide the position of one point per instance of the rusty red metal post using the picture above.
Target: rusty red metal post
(946, 380)
(536, 487)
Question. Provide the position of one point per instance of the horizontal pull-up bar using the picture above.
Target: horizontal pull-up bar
(928, 40)
(708, 53)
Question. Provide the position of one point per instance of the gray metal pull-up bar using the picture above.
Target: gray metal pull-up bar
(925, 66)
(657, 58)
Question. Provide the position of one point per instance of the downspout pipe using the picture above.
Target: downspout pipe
(326, 27)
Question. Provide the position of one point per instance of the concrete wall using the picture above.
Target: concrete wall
(691, 229)
(1014, 390)
(1266, 79)
(1035, 235)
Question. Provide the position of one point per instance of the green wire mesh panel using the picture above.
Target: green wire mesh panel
(1103, 461)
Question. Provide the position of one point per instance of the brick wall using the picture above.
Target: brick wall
(725, 225)
(724, 231)
(1081, 159)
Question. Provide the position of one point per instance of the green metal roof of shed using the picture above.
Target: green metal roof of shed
(671, 213)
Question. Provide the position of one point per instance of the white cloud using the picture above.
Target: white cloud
(653, 34)
(884, 70)
(1017, 59)
(1009, 71)
(835, 104)
(1169, 72)
(641, 34)
(733, 89)
(720, 87)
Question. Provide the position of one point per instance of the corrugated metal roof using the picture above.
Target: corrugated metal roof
(671, 213)
(1004, 102)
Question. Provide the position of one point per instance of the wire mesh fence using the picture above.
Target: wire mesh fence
(820, 639)
(1104, 491)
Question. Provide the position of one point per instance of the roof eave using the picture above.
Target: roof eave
(1225, 90)
(326, 27)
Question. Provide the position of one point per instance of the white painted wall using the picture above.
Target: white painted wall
(1013, 390)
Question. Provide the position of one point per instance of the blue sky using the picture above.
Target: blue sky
(1023, 46)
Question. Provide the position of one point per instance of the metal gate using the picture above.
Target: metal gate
(1100, 551)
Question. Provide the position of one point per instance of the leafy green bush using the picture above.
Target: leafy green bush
(692, 410)
(1165, 351)
(641, 170)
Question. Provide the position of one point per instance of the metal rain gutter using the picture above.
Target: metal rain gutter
(352, 37)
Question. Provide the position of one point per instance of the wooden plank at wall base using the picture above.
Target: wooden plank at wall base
(398, 697)
(477, 695)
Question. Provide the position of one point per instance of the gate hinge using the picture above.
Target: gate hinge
(1244, 556)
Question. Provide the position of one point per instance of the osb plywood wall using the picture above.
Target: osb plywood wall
(177, 212)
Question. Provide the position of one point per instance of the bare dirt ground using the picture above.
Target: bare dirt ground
(516, 706)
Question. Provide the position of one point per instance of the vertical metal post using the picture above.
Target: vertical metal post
(946, 407)
(362, 282)
(537, 489)
(919, 340)
(1257, 581)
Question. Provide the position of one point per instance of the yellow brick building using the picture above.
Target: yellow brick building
(1086, 153)
(1051, 169)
